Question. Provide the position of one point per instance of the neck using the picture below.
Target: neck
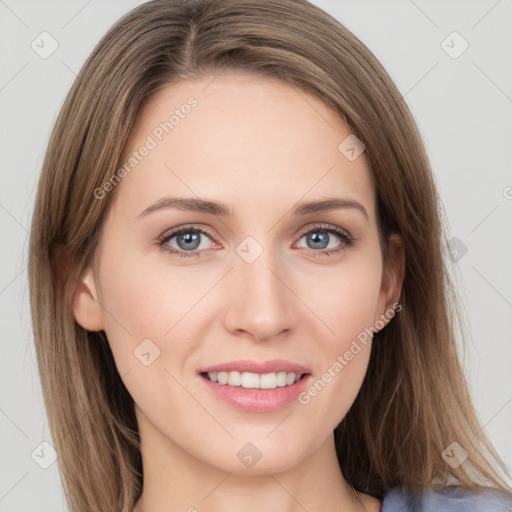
(174, 480)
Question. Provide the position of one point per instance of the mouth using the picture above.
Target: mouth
(250, 380)
(254, 386)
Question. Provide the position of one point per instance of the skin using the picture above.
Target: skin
(260, 146)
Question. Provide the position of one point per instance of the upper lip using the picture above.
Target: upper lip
(247, 365)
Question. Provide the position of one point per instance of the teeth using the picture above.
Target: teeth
(234, 378)
(255, 380)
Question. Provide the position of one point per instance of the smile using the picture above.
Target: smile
(249, 380)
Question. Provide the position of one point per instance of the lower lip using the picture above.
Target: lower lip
(256, 400)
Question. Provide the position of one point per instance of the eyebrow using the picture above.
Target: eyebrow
(216, 208)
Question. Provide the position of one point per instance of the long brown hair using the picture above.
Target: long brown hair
(414, 401)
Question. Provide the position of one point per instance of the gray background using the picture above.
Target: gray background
(463, 107)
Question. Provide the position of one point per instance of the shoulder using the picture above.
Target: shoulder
(447, 499)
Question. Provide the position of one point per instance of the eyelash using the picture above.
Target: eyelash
(347, 240)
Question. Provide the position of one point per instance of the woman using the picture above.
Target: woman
(237, 284)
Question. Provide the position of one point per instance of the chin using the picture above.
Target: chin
(258, 455)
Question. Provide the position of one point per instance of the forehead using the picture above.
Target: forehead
(241, 139)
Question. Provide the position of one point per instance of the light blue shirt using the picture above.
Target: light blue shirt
(447, 499)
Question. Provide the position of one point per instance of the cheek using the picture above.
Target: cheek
(347, 307)
(153, 316)
(144, 308)
(146, 296)
(347, 301)
(139, 307)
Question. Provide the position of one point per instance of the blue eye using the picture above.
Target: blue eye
(319, 236)
(188, 240)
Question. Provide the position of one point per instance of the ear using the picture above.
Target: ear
(86, 306)
(392, 279)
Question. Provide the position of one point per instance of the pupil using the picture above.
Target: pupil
(319, 239)
(190, 238)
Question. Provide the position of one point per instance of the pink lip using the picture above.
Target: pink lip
(257, 400)
(246, 365)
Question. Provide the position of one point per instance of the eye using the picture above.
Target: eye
(188, 240)
(319, 238)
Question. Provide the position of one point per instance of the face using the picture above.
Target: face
(266, 278)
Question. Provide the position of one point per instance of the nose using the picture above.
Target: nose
(261, 304)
